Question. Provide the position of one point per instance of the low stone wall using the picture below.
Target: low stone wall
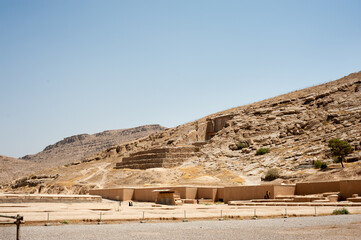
(220, 194)
(29, 198)
(207, 193)
(317, 187)
(186, 192)
(256, 192)
(119, 194)
(349, 187)
(145, 194)
(247, 192)
(235, 193)
(284, 190)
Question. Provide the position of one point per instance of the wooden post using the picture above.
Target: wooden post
(18, 222)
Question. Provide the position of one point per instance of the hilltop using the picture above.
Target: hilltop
(294, 127)
(70, 149)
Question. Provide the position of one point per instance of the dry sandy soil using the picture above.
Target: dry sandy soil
(111, 211)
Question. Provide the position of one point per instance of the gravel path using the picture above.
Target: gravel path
(329, 227)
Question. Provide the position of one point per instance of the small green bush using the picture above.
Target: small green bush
(242, 145)
(340, 211)
(320, 164)
(262, 151)
(272, 174)
(64, 222)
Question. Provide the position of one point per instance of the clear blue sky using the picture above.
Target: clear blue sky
(69, 67)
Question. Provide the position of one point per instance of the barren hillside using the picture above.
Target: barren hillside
(12, 168)
(70, 149)
(294, 127)
(83, 145)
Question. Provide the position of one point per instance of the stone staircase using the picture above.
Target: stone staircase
(157, 158)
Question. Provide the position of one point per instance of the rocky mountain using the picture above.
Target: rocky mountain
(224, 148)
(70, 149)
(83, 145)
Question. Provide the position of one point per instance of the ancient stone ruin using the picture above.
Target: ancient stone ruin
(216, 124)
(167, 157)
(157, 158)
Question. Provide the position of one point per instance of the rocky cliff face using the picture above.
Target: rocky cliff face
(294, 127)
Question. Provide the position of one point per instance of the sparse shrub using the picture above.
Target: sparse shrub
(262, 151)
(340, 211)
(64, 222)
(241, 145)
(325, 122)
(320, 164)
(336, 159)
(272, 174)
(339, 149)
(198, 149)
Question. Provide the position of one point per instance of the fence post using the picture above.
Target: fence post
(221, 218)
(254, 215)
(143, 220)
(18, 222)
(285, 216)
(100, 218)
(185, 217)
(47, 221)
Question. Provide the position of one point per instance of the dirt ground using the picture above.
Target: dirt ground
(111, 211)
(346, 227)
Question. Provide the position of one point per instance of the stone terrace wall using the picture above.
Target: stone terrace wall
(157, 158)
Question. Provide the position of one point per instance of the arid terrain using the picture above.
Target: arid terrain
(294, 127)
(69, 150)
(13, 167)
